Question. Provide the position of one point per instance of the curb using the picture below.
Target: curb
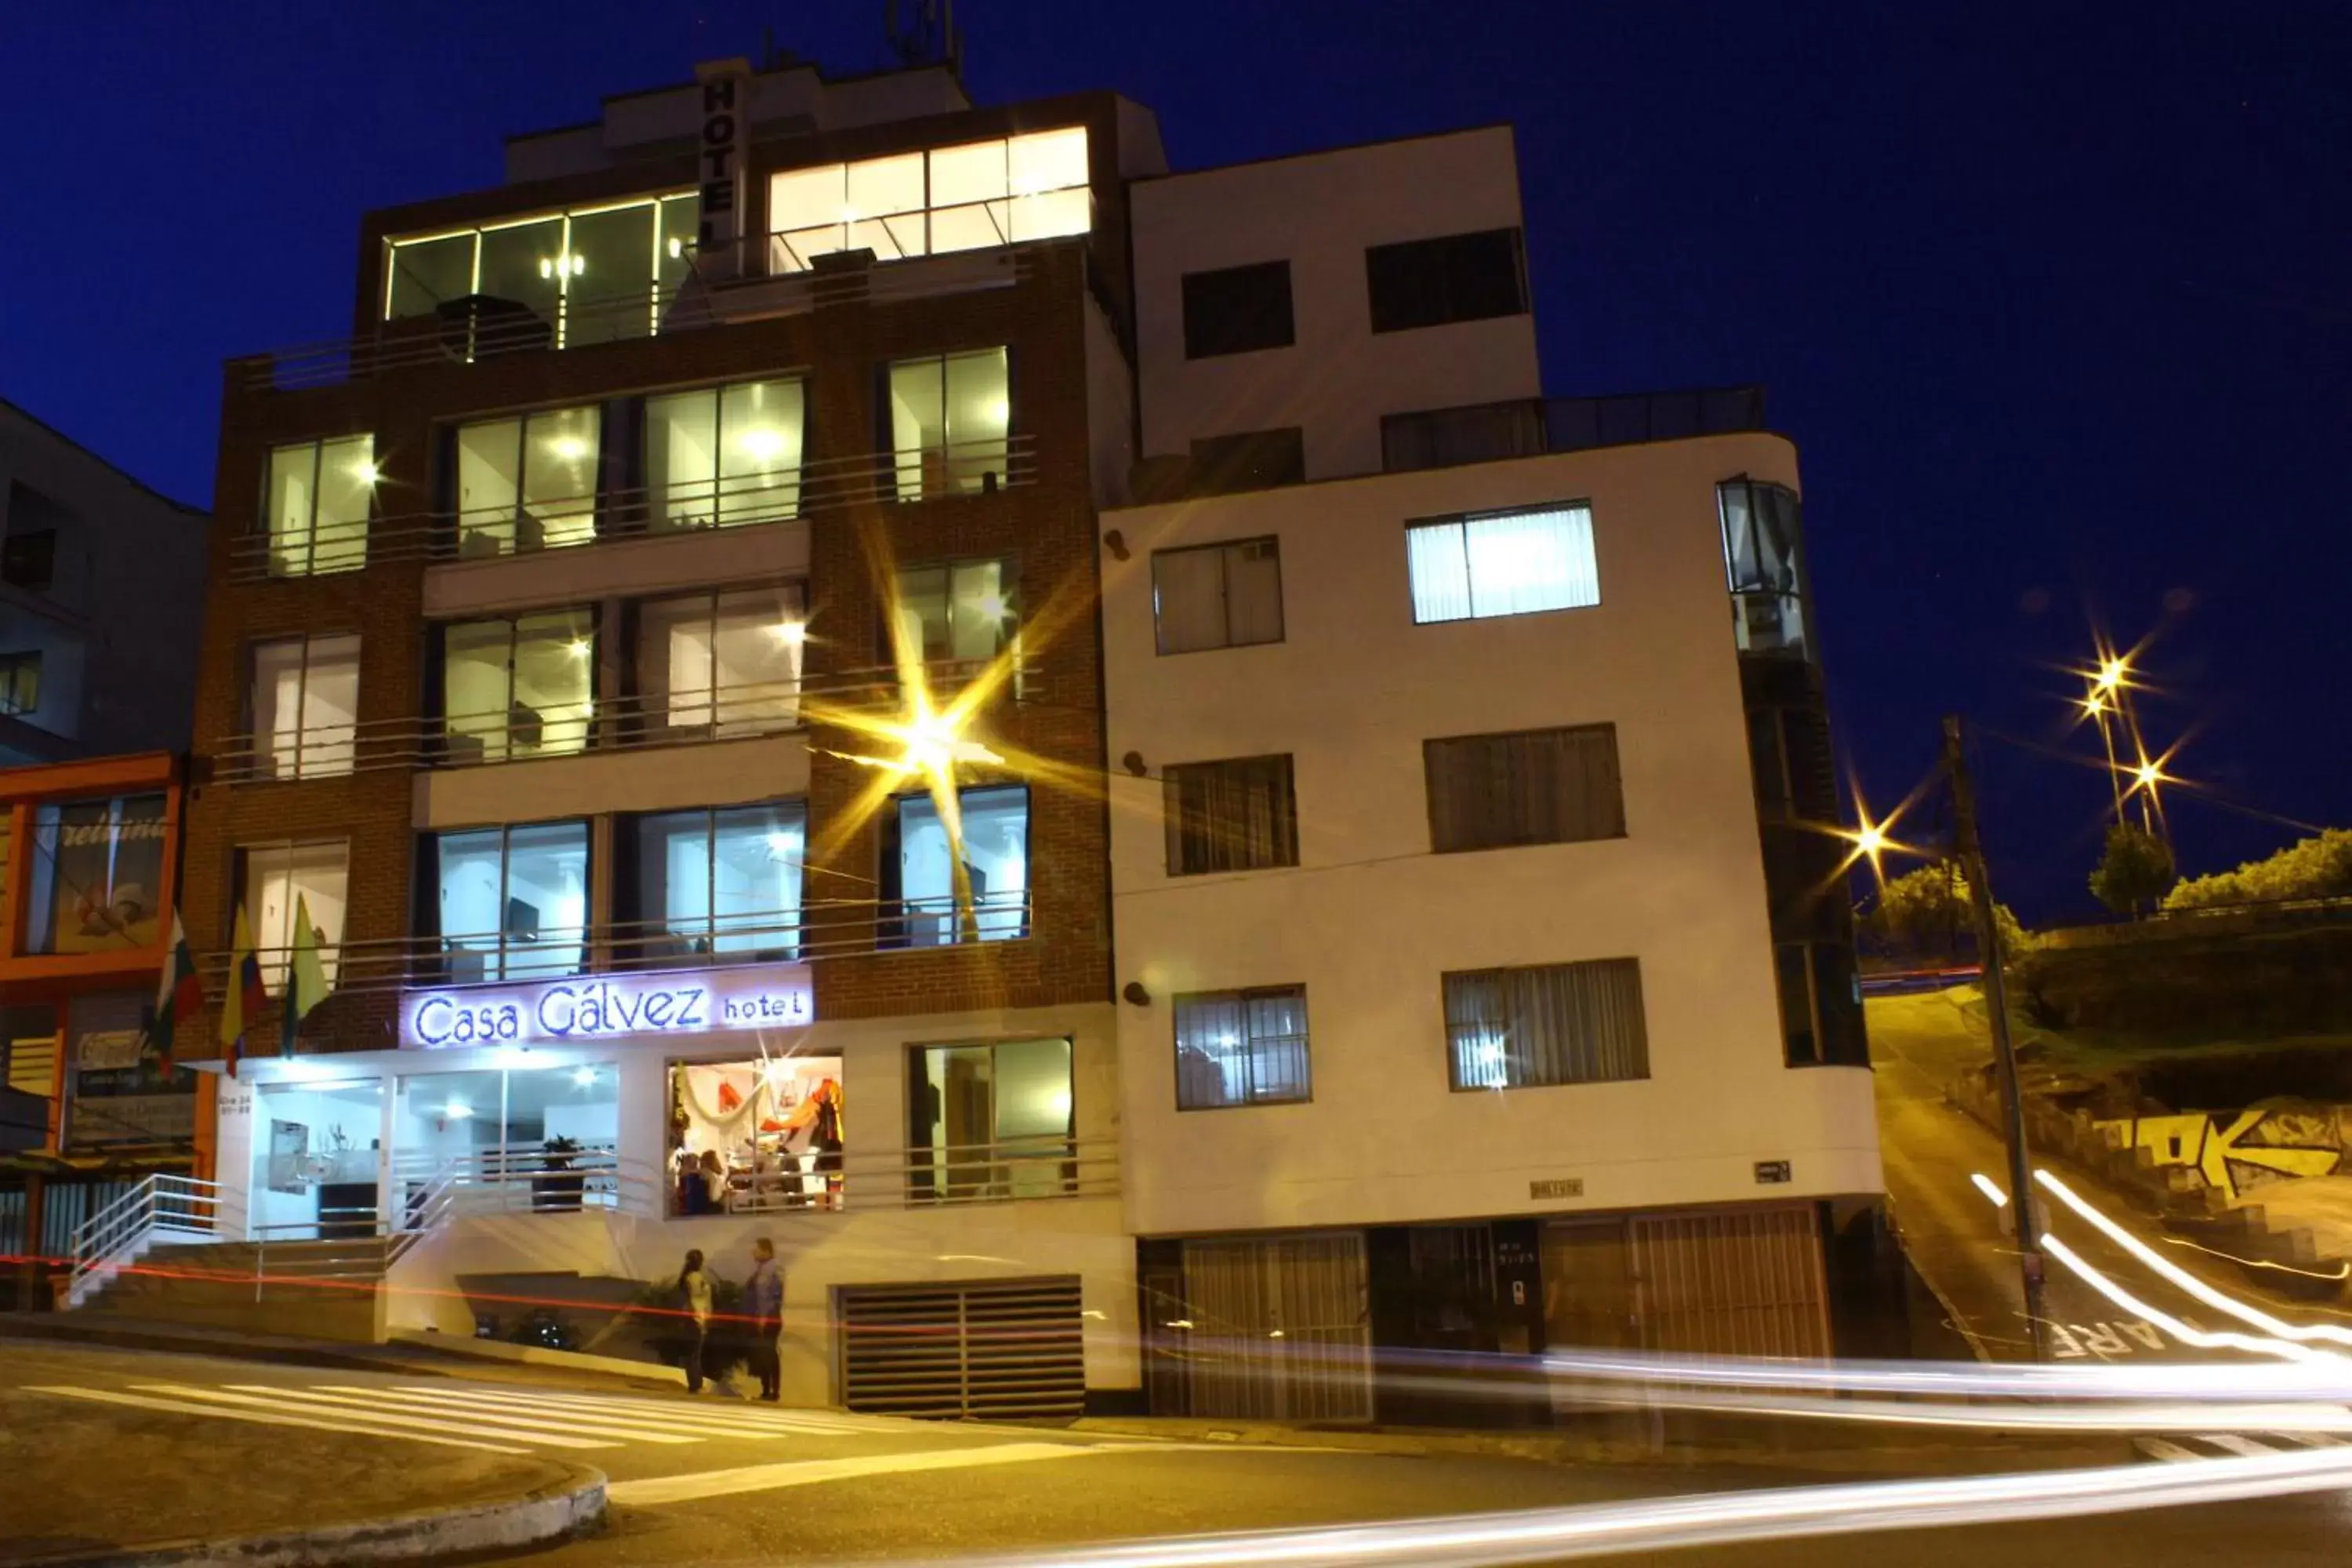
(571, 1506)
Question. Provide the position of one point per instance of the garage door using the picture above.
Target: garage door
(1738, 1282)
(977, 1350)
(1279, 1328)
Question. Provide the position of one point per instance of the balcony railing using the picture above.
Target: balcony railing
(1530, 428)
(866, 479)
(627, 722)
(472, 329)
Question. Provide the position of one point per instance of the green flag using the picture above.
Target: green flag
(306, 978)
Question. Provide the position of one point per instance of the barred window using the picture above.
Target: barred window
(1533, 786)
(1562, 1023)
(1241, 1047)
(1232, 816)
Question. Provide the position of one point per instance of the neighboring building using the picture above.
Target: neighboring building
(101, 589)
(556, 664)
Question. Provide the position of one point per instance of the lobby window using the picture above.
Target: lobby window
(919, 891)
(302, 705)
(721, 664)
(1821, 1004)
(724, 882)
(20, 683)
(316, 505)
(594, 275)
(1763, 544)
(1557, 1024)
(973, 197)
(1503, 564)
(1456, 277)
(1531, 786)
(721, 456)
(272, 878)
(1237, 309)
(96, 869)
(1232, 816)
(516, 689)
(527, 483)
(1241, 1047)
(512, 902)
(949, 419)
(775, 1125)
(1217, 595)
(991, 1121)
(28, 557)
(961, 613)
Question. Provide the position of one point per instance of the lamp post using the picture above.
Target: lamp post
(1970, 851)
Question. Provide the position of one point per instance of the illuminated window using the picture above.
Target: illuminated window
(724, 455)
(527, 483)
(721, 664)
(316, 506)
(722, 883)
(918, 882)
(962, 613)
(589, 274)
(1241, 1047)
(949, 419)
(96, 872)
(973, 197)
(1562, 1023)
(991, 1121)
(304, 703)
(513, 901)
(20, 683)
(520, 688)
(274, 877)
(1503, 564)
(1763, 558)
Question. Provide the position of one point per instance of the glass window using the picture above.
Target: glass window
(1763, 558)
(1562, 1023)
(304, 702)
(612, 268)
(722, 664)
(969, 198)
(28, 556)
(1237, 309)
(1234, 816)
(772, 1127)
(317, 873)
(549, 1133)
(1456, 277)
(1241, 1047)
(918, 882)
(523, 688)
(1535, 786)
(425, 274)
(1217, 595)
(718, 882)
(514, 900)
(1503, 564)
(961, 615)
(527, 483)
(1821, 1004)
(317, 507)
(991, 1121)
(96, 873)
(724, 455)
(20, 683)
(949, 422)
(596, 274)
(526, 263)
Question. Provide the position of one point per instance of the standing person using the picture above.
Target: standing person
(763, 1298)
(694, 1290)
(714, 1183)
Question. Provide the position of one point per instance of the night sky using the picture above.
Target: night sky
(2057, 306)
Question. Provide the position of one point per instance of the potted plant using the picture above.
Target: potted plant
(560, 1185)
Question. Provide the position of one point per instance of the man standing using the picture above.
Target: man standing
(763, 1298)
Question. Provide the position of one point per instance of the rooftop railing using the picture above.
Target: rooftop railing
(1533, 426)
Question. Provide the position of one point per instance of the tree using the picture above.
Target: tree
(1926, 913)
(2319, 867)
(2136, 870)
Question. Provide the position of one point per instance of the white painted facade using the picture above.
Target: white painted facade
(1320, 212)
(1370, 918)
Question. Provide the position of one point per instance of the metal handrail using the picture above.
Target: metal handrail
(813, 488)
(611, 723)
(125, 1227)
(694, 304)
(926, 1176)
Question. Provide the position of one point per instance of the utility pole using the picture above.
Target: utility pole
(1996, 994)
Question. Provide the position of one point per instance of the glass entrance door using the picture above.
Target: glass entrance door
(318, 1158)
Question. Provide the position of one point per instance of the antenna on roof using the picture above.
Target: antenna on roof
(927, 36)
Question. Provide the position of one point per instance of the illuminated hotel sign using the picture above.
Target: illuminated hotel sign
(659, 1005)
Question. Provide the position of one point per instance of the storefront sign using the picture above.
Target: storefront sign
(117, 1092)
(1558, 1187)
(605, 1007)
(1768, 1172)
(723, 157)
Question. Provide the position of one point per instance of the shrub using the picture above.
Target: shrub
(660, 1313)
(1926, 914)
(2317, 867)
(2136, 870)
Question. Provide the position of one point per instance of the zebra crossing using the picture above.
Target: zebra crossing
(498, 1418)
(2188, 1448)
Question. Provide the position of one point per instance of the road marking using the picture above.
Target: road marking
(188, 1407)
(2240, 1445)
(633, 1428)
(656, 1490)
(558, 1421)
(750, 1421)
(380, 1420)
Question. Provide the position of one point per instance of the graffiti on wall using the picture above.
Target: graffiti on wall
(2234, 1151)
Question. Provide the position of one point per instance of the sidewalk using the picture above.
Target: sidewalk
(90, 1483)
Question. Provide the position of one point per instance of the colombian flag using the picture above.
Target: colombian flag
(244, 997)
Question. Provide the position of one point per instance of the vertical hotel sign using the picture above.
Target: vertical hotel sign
(723, 159)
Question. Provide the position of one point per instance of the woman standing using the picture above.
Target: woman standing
(694, 1290)
(764, 1298)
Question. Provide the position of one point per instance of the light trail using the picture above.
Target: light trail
(1546, 1535)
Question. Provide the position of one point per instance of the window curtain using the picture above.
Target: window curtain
(1441, 573)
(1190, 586)
(1540, 786)
(1231, 817)
(1570, 1022)
(1252, 592)
(1529, 560)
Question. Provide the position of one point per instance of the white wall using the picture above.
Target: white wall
(1320, 212)
(1371, 918)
